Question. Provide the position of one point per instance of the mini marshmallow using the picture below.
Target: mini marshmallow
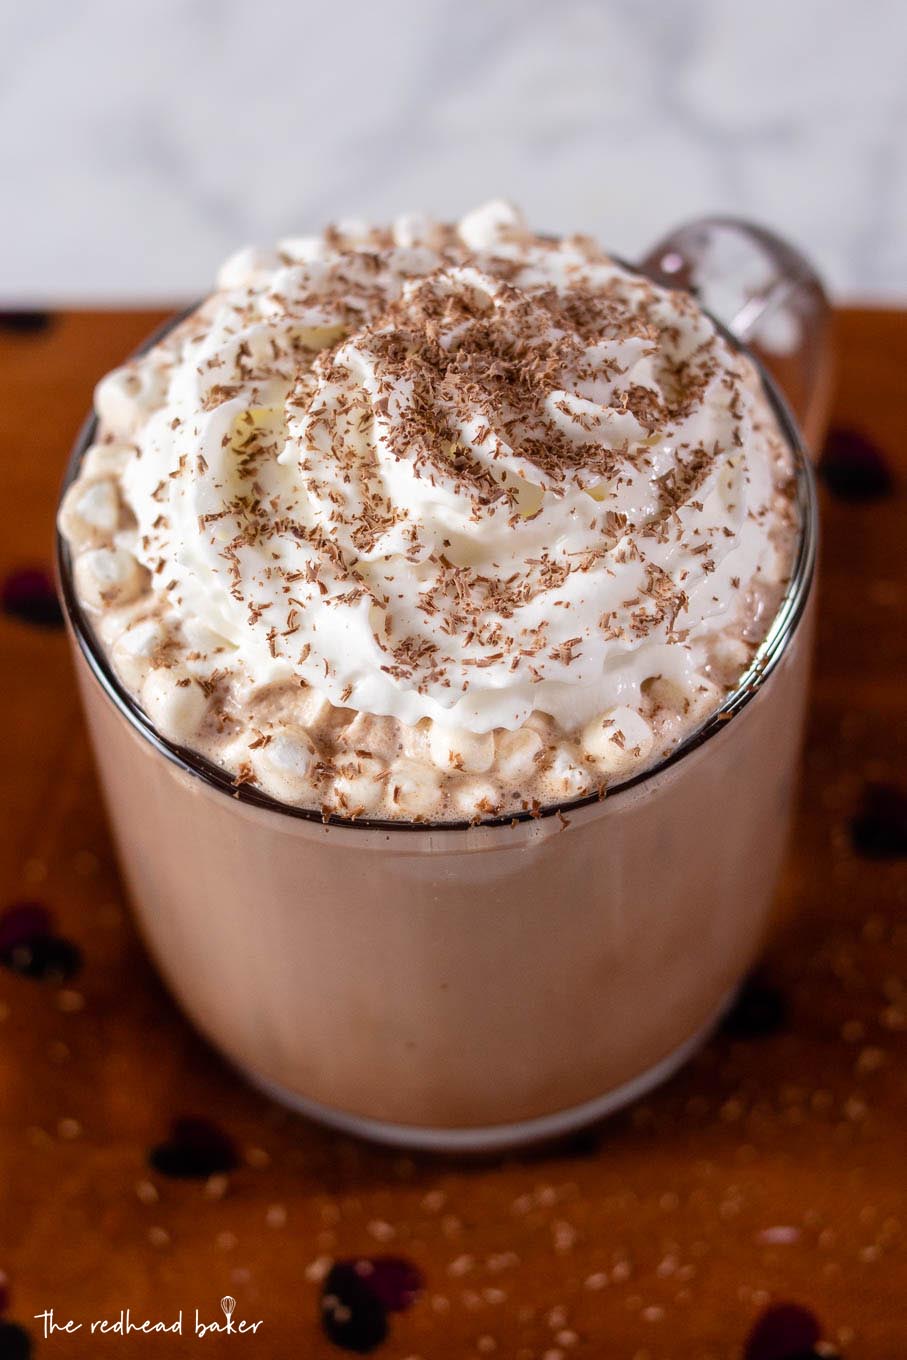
(303, 249)
(705, 698)
(355, 231)
(99, 506)
(284, 764)
(200, 638)
(516, 753)
(135, 649)
(379, 736)
(125, 397)
(565, 776)
(311, 708)
(617, 739)
(413, 229)
(730, 657)
(174, 703)
(332, 725)
(105, 460)
(666, 693)
(90, 511)
(106, 577)
(694, 701)
(453, 748)
(414, 741)
(413, 787)
(247, 267)
(359, 786)
(113, 622)
(485, 226)
(475, 798)
(542, 723)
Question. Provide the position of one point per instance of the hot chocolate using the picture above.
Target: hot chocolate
(441, 600)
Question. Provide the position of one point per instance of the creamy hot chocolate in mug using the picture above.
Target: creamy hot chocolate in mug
(441, 604)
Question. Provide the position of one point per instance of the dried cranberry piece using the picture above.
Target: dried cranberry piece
(353, 1317)
(784, 1331)
(21, 920)
(28, 594)
(759, 1010)
(25, 322)
(392, 1279)
(44, 958)
(15, 1342)
(854, 468)
(879, 828)
(196, 1148)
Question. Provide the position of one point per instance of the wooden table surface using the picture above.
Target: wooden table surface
(772, 1169)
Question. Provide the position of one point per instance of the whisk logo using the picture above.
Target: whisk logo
(228, 1307)
(124, 1324)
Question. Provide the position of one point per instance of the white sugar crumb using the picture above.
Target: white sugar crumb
(461, 1265)
(216, 1186)
(258, 1158)
(564, 1235)
(782, 1235)
(317, 1270)
(502, 1260)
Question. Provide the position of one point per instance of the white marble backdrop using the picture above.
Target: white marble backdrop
(141, 140)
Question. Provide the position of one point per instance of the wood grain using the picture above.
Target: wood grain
(772, 1167)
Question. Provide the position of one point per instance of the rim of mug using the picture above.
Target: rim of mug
(770, 651)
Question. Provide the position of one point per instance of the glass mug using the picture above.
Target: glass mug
(477, 987)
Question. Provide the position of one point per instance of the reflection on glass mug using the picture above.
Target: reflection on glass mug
(441, 601)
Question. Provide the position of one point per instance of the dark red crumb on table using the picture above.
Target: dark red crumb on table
(196, 1148)
(785, 1331)
(15, 1342)
(879, 827)
(759, 1010)
(358, 1294)
(28, 594)
(25, 322)
(353, 1318)
(21, 921)
(30, 948)
(393, 1280)
(854, 468)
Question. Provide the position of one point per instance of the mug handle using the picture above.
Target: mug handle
(768, 296)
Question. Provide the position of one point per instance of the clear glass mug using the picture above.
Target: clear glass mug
(478, 987)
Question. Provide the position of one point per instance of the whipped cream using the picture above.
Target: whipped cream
(465, 475)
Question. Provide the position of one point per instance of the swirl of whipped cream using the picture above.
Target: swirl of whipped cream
(461, 475)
